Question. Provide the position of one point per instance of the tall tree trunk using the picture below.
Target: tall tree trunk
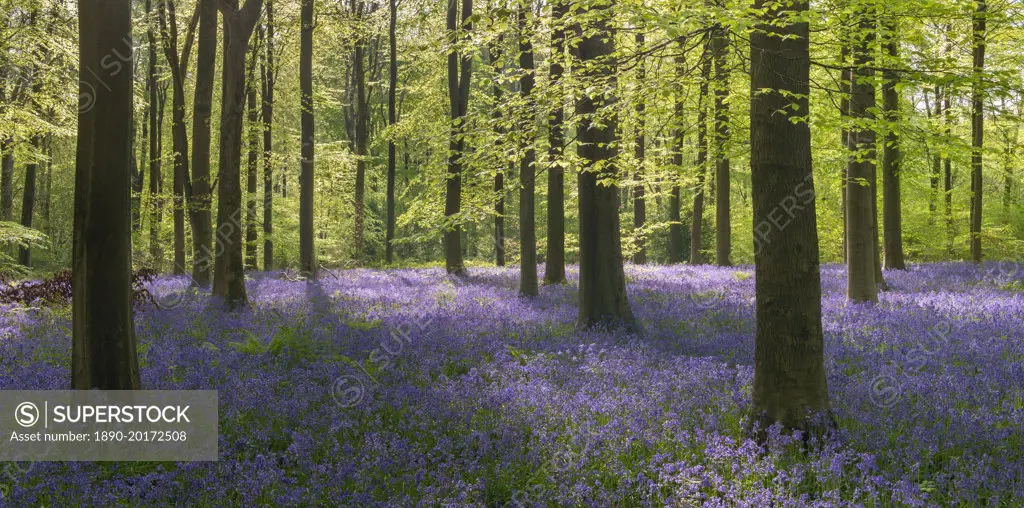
(458, 95)
(977, 126)
(389, 236)
(602, 291)
(253, 163)
(268, 73)
(675, 228)
(7, 180)
(936, 158)
(860, 262)
(47, 195)
(307, 262)
(229, 272)
(28, 199)
(527, 169)
(892, 156)
(156, 107)
(723, 222)
(200, 207)
(845, 89)
(103, 353)
(639, 202)
(789, 365)
(493, 56)
(359, 76)
(696, 227)
(554, 264)
(179, 133)
(947, 177)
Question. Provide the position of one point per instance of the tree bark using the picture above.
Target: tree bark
(28, 200)
(458, 95)
(202, 106)
(527, 169)
(696, 227)
(307, 264)
(789, 369)
(977, 126)
(639, 202)
(253, 159)
(493, 56)
(603, 297)
(675, 228)
(892, 157)
(268, 73)
(103, 353)
(229, 272)
(860, 262)
(156, 116)
(723, 219)
(554, 264)
(389, 236)
(359, 76)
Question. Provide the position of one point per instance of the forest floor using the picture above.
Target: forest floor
(405, 387)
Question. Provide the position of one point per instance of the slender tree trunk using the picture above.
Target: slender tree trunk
(202, 106)
(389, 255)
(723, 222)
(860, 264)
(675, 228)
(7, 180)
(229, 272)
(458, 93)
(639, 203)
(892, 157)
(103, 353)
(268, 72)
(47, 201)
(789, 367)
(845, 89)
(602, 292)
(936, 158)
(696, 227)
(253, 160)
(359, 75)
(307, 262)
(947, 178)
(28, 200)
(493, 56)
(554, 266)
(527, 169)
(155, 121)
(977, 127)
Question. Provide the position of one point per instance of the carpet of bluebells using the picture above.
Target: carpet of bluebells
(409, 388)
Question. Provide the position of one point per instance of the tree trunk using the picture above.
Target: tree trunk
(458, 95)
(977, 127)
(527, 169)
(789, 368)
(200, 207)
(307, 262)
(268, 72)
(389, 236)
(179, 133)
(675, 228)
(253, 160)
(156, 110)
(493, 55)
(602, 279)
(7, 180)
(860, 262)
(28, 200)
(947, 178)
(229, 272)
(103, 354)
(639, 203)
(47, 195)
(554, 265)
(936, 159)
(892, 158)
(359, 76)
(723, 222)
(845, 89)
(696, 227)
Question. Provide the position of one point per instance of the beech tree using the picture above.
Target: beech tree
(103, 351)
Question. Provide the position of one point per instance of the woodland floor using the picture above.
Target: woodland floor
(475, 397)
